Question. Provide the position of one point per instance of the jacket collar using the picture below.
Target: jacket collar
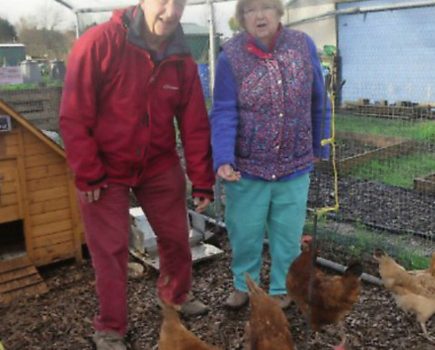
(256, 47)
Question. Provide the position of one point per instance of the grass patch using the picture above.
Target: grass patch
(46, 82)
(412, 130)
(399, 171)
(361, 242)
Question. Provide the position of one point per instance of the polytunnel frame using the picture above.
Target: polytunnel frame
(288, 5)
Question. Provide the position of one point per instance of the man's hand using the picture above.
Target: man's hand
(227, 173)
(91, 196)
(201, 204)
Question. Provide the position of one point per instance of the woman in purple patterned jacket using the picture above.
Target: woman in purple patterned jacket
(266, 134)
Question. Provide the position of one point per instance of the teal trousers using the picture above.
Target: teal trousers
(254, 207)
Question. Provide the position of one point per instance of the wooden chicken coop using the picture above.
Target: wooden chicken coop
(39, 217)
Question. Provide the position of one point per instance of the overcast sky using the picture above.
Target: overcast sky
(13, 10)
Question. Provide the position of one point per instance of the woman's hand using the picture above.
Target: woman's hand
(227, 173)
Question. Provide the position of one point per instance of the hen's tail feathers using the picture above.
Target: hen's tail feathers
(252, 286)
(354, 268)
(169, 312)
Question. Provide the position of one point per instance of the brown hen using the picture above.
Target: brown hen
(323, 299)
(268, 327)
(174, 336)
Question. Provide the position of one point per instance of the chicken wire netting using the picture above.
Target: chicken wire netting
(385, 123)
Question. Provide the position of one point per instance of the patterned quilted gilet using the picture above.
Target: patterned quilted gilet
(274, 136)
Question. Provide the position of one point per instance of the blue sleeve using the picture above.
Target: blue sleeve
(320, 111)
(224, 114)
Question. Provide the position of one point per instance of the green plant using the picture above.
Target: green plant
(360, 241)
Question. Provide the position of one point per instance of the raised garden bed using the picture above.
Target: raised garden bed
(354, 149)
(404, 111)
(425, 184)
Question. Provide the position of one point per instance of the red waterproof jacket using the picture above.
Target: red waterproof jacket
(119, 103)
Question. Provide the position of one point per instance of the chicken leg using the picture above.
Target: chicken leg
(342, 345)
(426, 334)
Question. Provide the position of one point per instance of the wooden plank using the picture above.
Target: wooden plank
(36, 148)
(425, 184)
(47, 194)
(52, 227)
(11, 151)
(48, 255)
(47, 170)
(17, 274)
(20, 283)
(8, 163)
(49, 205)
(8, 187)
(14, 264)
(47, 182)
(8, 199)
(11, 138)
(22, 195)
(32, 290)
(10, 213)
(30, 137)
(53, 239)
(8, 173)
(43, 159)
(51, 216)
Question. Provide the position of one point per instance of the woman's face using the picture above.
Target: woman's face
(261, 20)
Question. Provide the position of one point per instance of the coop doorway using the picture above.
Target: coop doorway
(12, 240)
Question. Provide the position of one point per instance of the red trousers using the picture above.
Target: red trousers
(107, 226)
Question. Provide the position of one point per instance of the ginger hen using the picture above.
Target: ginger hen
(413, 291)
(323, 299)
(268, 327)
(174, 336)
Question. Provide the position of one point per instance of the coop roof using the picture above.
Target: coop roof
(21, 120)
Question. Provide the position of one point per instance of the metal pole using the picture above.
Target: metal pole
(77, 25)
(212, 51)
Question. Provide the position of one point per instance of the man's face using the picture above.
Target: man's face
(162, 16)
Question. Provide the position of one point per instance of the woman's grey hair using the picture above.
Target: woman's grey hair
(241, 6)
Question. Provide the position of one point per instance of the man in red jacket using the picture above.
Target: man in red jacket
(126, 81)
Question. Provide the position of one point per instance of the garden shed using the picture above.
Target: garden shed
(12, 54)
(39, 217)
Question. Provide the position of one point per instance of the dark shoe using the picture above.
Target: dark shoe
(109, 340)
(237, 300)
(193, 307)
(283, 300)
